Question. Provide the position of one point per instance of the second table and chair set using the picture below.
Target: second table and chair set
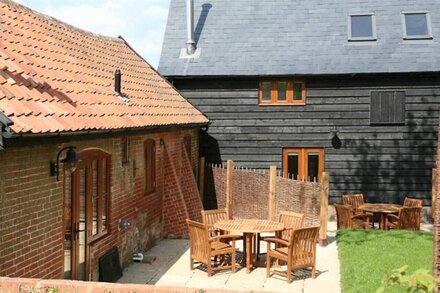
(291, 242)
(355, 213)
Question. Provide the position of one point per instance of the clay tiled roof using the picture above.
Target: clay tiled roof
(56, 78)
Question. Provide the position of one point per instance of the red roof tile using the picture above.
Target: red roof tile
(57, 78)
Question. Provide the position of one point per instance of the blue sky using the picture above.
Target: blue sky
(141, 22)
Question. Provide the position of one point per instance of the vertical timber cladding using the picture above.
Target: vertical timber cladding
(385, 162)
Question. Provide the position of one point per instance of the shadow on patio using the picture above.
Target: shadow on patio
(171, 268)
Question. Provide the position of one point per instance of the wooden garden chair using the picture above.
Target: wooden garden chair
(210, 217)
(407, 219)
(291, 221)
(354, 200)
(412, 202)
(299, 252)
(346, 219)
(206, 249)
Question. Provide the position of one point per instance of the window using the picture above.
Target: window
(387, 107)
(303, 163)
(124, 150)
(361, 27)
(187, 145)
(150, 166)
(282, 92)
(416, 25)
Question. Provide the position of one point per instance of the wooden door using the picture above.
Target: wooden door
(86, 212)
(303, 163)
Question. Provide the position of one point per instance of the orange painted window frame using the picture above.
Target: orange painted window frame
(303, 163)
(290, 93)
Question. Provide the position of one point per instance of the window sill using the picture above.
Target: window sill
(282, 104)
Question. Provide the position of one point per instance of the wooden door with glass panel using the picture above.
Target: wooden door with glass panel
(303, 163)
(86, 211)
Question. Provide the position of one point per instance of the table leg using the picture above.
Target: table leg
(382, 222)
(248, 239)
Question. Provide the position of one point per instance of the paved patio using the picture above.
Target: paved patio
(171, 268)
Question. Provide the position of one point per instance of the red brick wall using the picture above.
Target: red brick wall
(31, 201)
(181, 195)
(36, 285)
(251, 194)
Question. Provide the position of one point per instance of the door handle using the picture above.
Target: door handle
(77, 230)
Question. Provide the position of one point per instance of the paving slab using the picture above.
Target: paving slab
(171, 268)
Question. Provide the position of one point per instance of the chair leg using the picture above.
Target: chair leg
(209, 269)
(258, 244)
(314, 272)
(267, 265)
(191, 264)
(289, 271)
(233, 260)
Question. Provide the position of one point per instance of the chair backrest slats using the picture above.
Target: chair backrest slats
(290, 220)
(303, 245)
(210, 217)
(412, 202)
(354, 200)
(343, 216)
(199, 239)
(409, 218)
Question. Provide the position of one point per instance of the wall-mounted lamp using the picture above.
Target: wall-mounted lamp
(162, 142)
(71, 160)
(336, 141)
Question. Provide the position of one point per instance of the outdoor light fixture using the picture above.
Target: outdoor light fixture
(71, 160)
(336, 141)
(162, 142)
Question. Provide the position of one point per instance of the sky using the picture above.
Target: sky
(141, 22)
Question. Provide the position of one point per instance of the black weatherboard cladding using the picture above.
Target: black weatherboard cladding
(385, 162)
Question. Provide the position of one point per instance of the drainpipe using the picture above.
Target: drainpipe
(190, 43)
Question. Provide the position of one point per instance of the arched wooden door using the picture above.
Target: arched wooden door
(86, 211)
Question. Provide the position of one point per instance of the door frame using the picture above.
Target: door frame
(87, 157)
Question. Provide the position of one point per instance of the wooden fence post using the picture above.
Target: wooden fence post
(434, 191)
(272, 192)
(229, 178)
(324, 209)
(202, 178)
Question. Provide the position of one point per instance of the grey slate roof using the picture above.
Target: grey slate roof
(296, 37)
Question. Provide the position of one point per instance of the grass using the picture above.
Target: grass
(368, 256)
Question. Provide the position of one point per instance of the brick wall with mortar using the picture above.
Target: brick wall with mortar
(8, 285)
(251, 194)
(31, 204)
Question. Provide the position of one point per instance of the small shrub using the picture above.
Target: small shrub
(421, 281)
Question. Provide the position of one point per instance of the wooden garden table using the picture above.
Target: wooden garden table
(381, 208)
(249, 227)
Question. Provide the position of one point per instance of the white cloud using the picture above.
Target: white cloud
(141, 22)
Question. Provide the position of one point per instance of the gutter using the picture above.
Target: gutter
(34, 139)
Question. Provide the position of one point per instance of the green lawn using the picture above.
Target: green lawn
(367, 256)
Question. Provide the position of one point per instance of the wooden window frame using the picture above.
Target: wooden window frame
(124, 151)
(187, 145)
(290, 94)
(150, 166)
(303, 162)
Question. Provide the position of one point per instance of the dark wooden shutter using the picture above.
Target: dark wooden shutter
(387, 107)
